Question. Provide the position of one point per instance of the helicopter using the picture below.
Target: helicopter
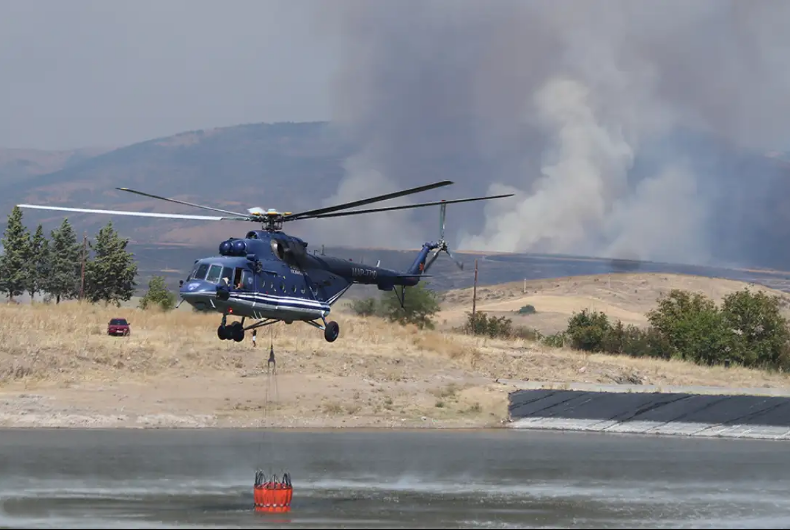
(268, 276)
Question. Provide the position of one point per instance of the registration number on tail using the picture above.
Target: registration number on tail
(358, 272)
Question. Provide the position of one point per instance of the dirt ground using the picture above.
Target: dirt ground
(58, 368)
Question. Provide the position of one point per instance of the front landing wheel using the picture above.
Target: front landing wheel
(332, 331)
(237, 332)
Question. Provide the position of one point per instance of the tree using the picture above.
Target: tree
(158, 295)
(37, 263)
(13, 263)
(693, 327)
(589, 330)
(420, 305)
(110, 276)
(64, 265)
(758, 331)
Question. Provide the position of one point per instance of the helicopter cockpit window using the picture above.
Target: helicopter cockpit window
(200, 274)
(214, 274)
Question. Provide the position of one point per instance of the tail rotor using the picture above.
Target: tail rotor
(442, 243)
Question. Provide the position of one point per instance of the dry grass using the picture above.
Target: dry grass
(624, 296)
(69, 342)
(376, 374)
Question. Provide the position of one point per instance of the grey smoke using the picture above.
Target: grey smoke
(585, 110)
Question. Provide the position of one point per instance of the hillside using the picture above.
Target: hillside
(294, 166)
(235, 167)
(624, 296)
(18, 165)
(58, 368)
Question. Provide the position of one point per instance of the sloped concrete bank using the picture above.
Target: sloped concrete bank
(732, 415)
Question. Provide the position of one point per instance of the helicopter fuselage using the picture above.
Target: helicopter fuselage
(271, 275)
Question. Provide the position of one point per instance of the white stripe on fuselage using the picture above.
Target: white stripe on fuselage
(290, 299)
(258, 297)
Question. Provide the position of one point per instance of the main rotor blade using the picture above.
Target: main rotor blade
(344, 206)
(422, 205)
(180, 202)
(137, 214)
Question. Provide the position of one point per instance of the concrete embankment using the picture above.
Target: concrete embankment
(704, 414)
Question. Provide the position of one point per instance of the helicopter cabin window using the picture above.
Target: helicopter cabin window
(227, 272)
(200, 274)
(243, 279)
(214, 274)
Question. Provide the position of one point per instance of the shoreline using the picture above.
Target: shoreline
(105, 406)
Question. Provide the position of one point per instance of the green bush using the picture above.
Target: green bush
(482, 324)
(420, 305)
(557, 340)
(758, 333)
(158, 295)
(367, 307)
(589, 331)
(748, 330)
(692, 325)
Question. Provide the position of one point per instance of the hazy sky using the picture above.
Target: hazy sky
(79, 73)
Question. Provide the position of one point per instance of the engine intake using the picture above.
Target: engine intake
(288, 251)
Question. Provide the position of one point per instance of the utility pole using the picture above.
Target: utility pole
(84, 251)
(525, 286)
(474, 293)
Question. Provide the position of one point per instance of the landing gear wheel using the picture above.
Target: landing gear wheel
(332, 331)
(237, 332)
(222, 333)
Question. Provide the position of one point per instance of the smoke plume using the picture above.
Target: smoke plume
(625, 129)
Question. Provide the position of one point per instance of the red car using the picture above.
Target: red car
(119, 327)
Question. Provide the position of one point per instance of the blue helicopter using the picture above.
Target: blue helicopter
(269, 276)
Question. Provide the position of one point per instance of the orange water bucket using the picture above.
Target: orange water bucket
(272, 496)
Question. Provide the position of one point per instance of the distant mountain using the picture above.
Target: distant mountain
(285, 166)
(17, 165)
(295, 166)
